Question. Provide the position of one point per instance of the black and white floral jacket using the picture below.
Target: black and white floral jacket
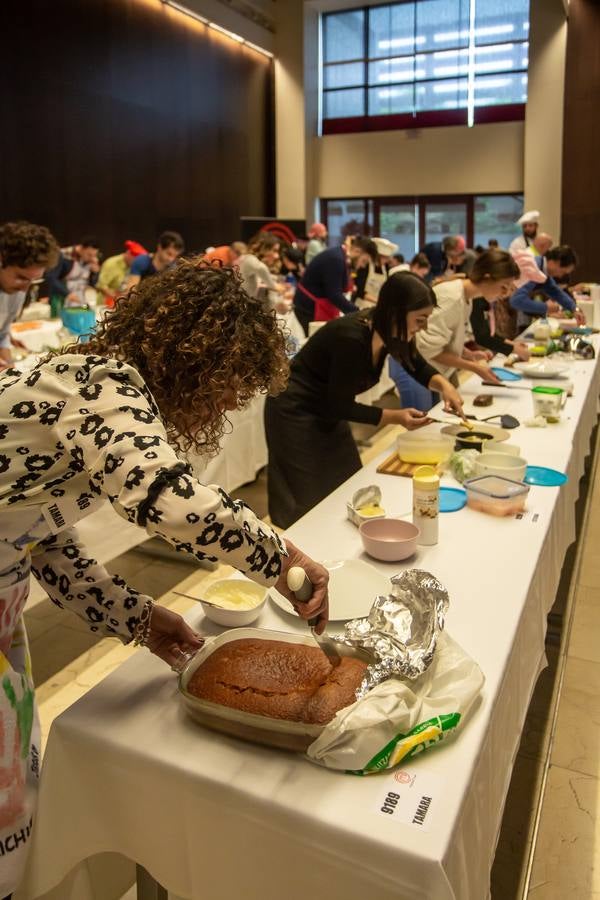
(77, 430)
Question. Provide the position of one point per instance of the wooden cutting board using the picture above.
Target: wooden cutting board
(393, 465)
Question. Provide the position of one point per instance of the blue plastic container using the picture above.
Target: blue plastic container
(80, 320)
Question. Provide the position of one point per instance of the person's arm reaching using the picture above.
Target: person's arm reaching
(75, 581)
(453, 361)
(343, 387)
(114, 434)
(523, 302)
(481, 329)
(556, 293)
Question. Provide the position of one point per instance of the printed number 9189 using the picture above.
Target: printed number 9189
(390, 803)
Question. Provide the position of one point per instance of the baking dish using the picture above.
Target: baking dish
(280, 733)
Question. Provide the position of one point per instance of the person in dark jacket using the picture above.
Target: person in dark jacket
(311, 448)
(321, 293)
(448, 257)
(77, 268)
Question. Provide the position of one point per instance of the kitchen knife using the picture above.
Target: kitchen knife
(300, 585)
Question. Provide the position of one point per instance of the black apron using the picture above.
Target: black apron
(309, 457)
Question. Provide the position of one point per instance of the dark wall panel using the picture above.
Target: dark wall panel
(122, 118)
(581, 184)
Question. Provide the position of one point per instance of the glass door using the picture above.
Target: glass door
(443, 219)
(348, 217)
(398, 222)
(496, 218)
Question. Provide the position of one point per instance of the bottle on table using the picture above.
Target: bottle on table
(426, 504)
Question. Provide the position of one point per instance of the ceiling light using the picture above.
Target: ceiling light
(184, 10)
(229, 34)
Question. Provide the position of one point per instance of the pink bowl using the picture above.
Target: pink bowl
(389, 539)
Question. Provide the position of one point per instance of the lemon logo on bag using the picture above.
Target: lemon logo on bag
(413, 744)
(406, 746)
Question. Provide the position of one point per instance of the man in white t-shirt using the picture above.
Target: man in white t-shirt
(25, 252)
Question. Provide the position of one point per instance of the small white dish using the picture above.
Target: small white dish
(229, 615)
(504, 465)
(541, 369)
(353, 586)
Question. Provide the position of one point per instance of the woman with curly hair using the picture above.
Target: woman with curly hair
(100, 421)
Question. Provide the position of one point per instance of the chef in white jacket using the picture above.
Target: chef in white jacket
(529, 223)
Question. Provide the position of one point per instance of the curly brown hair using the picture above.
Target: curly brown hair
(23, 244)
(193, 333)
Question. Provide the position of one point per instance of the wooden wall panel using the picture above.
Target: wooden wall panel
(581, 184)
(122, 118)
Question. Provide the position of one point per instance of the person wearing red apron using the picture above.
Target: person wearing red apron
(321, 293)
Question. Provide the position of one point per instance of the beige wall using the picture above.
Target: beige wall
(452, 160)
(296, 109)
(544, 119)
(290, 130)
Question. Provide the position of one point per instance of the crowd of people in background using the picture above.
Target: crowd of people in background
(476, 315)
(453, 306)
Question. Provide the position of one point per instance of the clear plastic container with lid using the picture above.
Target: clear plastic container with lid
(425, 449)
(496, 495)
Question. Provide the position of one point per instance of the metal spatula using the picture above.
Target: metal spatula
(506, 420)
(301, 586)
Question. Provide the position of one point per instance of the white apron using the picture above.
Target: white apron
(20, 748)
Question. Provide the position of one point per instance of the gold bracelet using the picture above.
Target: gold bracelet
(141, 632)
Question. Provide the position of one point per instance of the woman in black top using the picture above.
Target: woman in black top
(311, 448)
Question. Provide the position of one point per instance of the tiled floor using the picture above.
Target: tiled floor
(566, 862)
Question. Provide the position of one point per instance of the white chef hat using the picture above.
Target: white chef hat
(385, 247)
(532, 216)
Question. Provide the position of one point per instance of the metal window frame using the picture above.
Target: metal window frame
(421, 202)
(365, 60)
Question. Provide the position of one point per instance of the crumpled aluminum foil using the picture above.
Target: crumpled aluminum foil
(574, 344)
(401, 630)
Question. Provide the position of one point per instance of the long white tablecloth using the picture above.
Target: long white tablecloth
(126, 770)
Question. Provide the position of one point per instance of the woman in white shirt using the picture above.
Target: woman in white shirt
(443, 342)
